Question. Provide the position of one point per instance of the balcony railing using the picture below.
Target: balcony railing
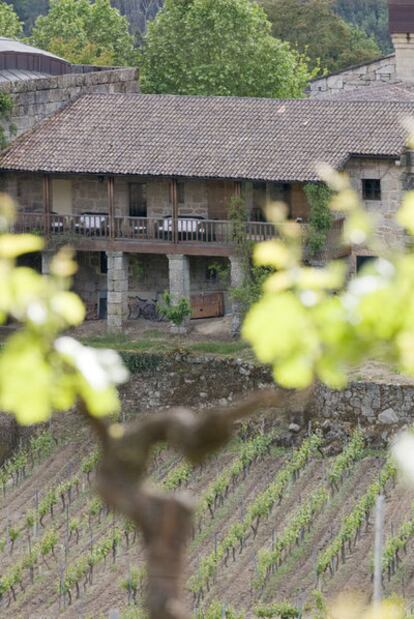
(97, 226)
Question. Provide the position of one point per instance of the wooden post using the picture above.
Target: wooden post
(46, 204)
(174, 202)
(111, 207)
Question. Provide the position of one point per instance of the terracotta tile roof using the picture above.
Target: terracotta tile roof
(210, 137)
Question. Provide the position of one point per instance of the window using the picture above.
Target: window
(371, 189)
(362, 261)
(137, 200)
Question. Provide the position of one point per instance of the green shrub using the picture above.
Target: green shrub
(174, 312)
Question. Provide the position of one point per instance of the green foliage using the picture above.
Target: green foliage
(177, 477)
(352, 524)
(6, 106)
(317, 606)
(250, 452)
(134, 583)
(320, 217)
(352, 453)
(40, 371)
(251, 287)
(219, 348)
(281, 610)
(315, 30)
(220, 270)
(29, 10)
(137, 363)
(371, 16)
(218, 610)
(10, 24)
(292, 534)
(174, 312)
(15, 469)
(396, 544)
(270, 559)
(85, 32)
(313, 332)
(218, 47)
(258, 510)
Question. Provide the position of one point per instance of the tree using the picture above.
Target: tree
(10, 25)
(371, 16)
(139, 13)
(315, 30)
(28, 10)
(85, 32)
(218, 47)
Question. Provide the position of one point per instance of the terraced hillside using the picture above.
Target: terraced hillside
(272, 525)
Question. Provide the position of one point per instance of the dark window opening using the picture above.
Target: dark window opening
(103, 262)
(180, 192)
(371, 189)
(103, 305)
(137, 200)
(362, 261)
(259, 202)
(281, 192)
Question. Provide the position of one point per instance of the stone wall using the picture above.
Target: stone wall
(34, 100)
(381, 409)
(148, 275)
(90, 282)
(208, 199)
(369, 74)
(388, 232)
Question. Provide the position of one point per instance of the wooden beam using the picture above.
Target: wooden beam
(237, 189)
(149, 247)
(111, 206)
(46, 204)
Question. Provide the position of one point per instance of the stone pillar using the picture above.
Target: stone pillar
(236, 280)
(179, 274)
(46, 260)
(117, 289)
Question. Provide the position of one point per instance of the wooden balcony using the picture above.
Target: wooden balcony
(196, 236)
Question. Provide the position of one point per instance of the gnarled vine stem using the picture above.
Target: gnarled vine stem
(165, 520)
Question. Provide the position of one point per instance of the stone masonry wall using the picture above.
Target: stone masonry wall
(34, 100)
(388, 231)
(370, 74)
(89, 282)
(179, 379)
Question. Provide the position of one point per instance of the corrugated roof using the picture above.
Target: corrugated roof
(17, 75)
(210, 137)
(12, 45)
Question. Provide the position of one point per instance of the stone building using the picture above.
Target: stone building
(395, 69)
(141, 185)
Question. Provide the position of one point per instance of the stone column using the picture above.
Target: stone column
(179, 274)
(236, 280)
(117, 290)
(46, 260)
